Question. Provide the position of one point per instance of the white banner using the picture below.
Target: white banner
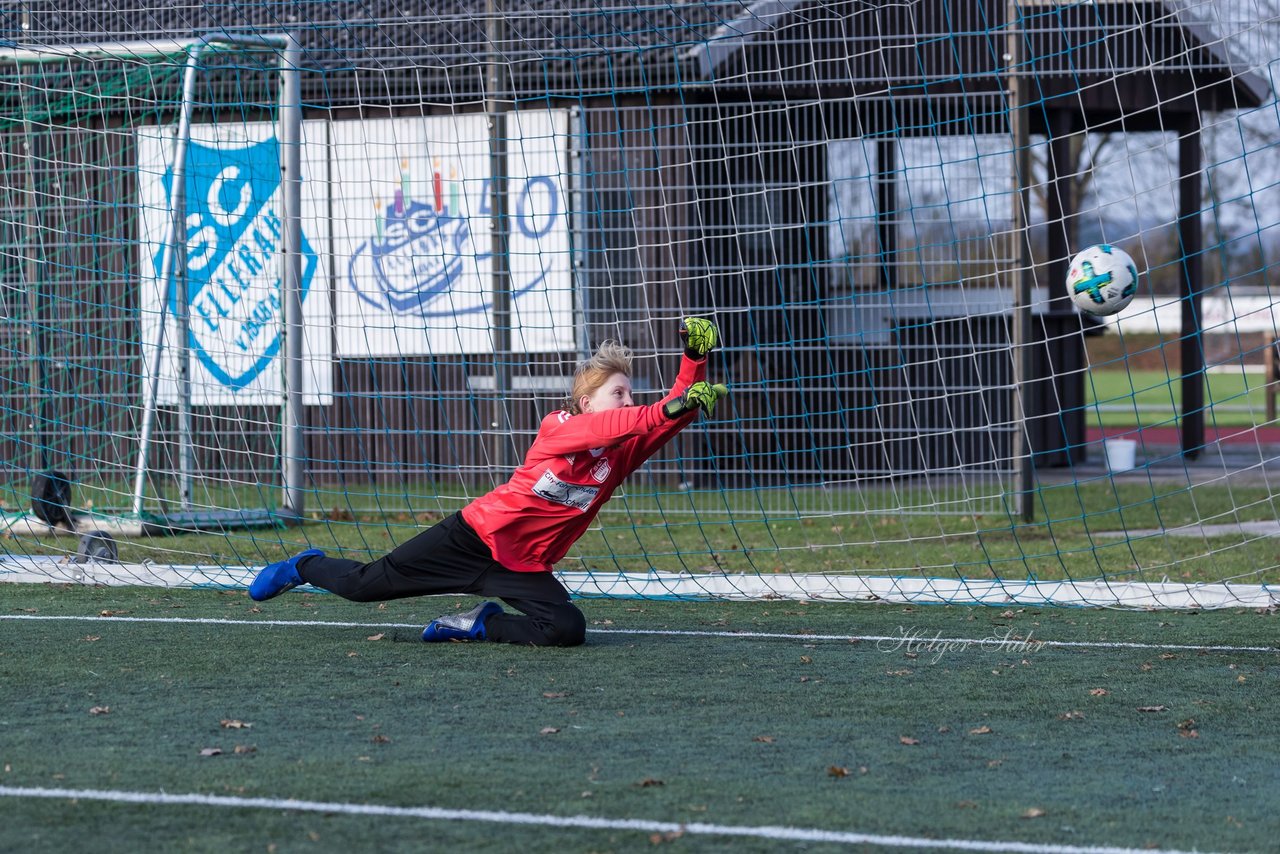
(405, 206)
(412, 235)
(233, 241)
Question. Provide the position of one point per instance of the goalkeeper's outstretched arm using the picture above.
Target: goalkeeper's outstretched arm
(690, 393)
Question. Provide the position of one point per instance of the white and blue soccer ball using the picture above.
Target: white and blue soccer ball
(1102, 280)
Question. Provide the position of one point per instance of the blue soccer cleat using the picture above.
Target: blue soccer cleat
(276, 578)
(468, 626)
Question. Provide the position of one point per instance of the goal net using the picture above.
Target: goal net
(248, 335)
(131, 220)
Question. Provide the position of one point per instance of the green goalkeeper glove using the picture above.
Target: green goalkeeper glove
(700, 395)
(700, 337)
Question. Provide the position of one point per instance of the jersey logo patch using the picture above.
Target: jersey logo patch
(600, 471)
(555, 490)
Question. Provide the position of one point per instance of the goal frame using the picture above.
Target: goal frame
(173, 268)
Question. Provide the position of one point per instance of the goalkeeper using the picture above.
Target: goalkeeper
(504, 544)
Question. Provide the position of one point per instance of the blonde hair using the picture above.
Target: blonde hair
(612, 358)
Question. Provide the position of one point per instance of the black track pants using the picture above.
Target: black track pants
(450, 557)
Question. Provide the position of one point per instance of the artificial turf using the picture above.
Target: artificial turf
(999, 739)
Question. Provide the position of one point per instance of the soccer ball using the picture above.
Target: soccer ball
(1102, 279)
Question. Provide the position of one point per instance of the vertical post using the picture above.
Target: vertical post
(1020, 136)
(182, 320)
(496, 108)
(1062, 415)
(34, 258)
(579, 130)
(293, 441)
(175, 243)
(887, 210)
(36, 370)
(1191, 242)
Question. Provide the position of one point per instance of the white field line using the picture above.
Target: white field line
(909, 641)
(787, 834)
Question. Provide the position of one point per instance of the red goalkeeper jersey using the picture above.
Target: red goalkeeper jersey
(573, 466)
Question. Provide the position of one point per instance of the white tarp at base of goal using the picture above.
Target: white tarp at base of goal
(659, 585)
(942, 591)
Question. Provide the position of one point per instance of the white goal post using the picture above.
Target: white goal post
(172, 274)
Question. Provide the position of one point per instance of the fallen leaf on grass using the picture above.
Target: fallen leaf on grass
(1072, 715)
(837, 771)
(242, 749)
(231, 723)
(1098, 692)
(806, 659)
(1187, 728)
(764, 739)
(1034, 812)
(92, 638)
(906, 739)
(981, 730)
(377, 637)
(100, 710)
(211, 751)
(649, 782)
(555, 695)
(1153, 708)
(548, 730)
(380, 739)
(966, 805)
(659, 838)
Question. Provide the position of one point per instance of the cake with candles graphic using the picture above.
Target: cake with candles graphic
(418, 252)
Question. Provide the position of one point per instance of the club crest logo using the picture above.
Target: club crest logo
(600, 471)
(423, 250)
(234, 237)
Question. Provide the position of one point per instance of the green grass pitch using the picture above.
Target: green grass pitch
(1119, 398)
(680, 713)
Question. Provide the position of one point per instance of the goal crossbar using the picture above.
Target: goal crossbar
(152, 49)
